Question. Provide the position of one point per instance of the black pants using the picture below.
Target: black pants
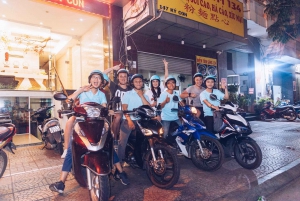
(202, 113)
(209, 123)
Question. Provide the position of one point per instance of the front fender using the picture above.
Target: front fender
(162, 141)
(199, 133)
(98, 162)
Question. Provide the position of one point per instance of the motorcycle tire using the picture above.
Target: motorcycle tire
(251, 151)
(100, 188)
(213, 154)
(60, 148)
(263, 117)
(293, 116)
(3, 162)
(167, 173)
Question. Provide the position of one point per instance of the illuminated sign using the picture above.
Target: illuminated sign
(206, 66)
(90, 6)
(226, 15)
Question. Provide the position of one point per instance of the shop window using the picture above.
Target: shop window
(229, 61)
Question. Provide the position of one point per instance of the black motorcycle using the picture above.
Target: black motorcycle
(50, 129)
(147, 149)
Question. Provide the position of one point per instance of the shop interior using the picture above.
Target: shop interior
(34, 41)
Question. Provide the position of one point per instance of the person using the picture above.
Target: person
(155, 89)
(208, 103)
(131, 99)
(118, 90)
(88, 93)
(193, 94)
(278, 102)
(168, 100)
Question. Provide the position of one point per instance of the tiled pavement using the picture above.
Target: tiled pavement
(31, 170)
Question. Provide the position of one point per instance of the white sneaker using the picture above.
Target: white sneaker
(64, 154)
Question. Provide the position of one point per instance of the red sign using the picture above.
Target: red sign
(90, 6)
(251, 91)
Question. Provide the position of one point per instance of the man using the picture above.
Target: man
(131, 99)
(193, 94)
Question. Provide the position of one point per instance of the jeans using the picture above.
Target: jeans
(209, 123)
(166, 126)
(67, 165)
(124, 135)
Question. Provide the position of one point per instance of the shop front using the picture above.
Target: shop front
(46, 46)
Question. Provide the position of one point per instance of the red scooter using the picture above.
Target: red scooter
(92, 148)
(287, 112)
(7, 131)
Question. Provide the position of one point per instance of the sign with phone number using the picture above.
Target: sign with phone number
(226, 15)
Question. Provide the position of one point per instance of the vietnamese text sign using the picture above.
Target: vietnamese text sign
(90, 6)
(226, 15)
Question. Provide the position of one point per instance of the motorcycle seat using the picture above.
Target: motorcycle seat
(4, 132)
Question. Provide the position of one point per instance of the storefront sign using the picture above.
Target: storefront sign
(90, 6)
(226, 15)
(251, 91)
(206, 66)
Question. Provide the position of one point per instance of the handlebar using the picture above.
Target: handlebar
(42, 109)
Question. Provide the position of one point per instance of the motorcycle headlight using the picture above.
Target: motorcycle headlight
(194, 110)
(92, 111)
(242, 129)
(160, 131)
(150, 113)
(147, 132)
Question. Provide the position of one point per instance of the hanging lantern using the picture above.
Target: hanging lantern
(6, 56)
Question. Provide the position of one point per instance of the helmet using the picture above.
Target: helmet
(210, 77)
(97, 72)
(122, 70)
(154, 77)
(197, 75)
(106, 78)
(170, 78)
(135, 76)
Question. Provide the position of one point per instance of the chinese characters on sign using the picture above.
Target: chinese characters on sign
(206, 66)
(226, 15)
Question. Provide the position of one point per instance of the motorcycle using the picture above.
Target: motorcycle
(7, 131)
(287, 112)
(92, 147)
(195, 142)
(147, 149)
(50, 129)
(233, 135)
(297, 110)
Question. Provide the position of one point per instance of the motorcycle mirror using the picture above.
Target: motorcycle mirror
(60, 96)
(213, 97)
(175, 98)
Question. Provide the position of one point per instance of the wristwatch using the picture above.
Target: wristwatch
(189, 94)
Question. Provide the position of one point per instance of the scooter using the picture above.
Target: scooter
(92, 147)
(287, 112)
(195, 142)
(50, 129)
(146, 148)
(234, 136)
(7, 131)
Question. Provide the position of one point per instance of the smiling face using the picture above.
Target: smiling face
(123, 77)
(198, 81)
(210, 83)
(96, 80)
(155, 83)
(171, 84)
(138, 83)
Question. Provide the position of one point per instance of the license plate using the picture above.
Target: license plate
(54, 129)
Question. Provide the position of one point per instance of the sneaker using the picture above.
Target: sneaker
(123, 178)
(64, 154)
(57, 187)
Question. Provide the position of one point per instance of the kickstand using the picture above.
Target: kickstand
(11, 146)
(43, 147)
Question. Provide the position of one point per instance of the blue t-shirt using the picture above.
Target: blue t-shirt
(88, 96)
(205, 96)
(166, 112)
(133, 100)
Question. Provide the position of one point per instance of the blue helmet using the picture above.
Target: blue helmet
(197, 75)
(170, 77)
(154, 77)
(135, 76)
(210, 77)
(95, 72)
(105, 78)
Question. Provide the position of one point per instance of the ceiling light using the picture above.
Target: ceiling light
(3, 1)
(72, 29)
(41, 23)
(3, 16)
(182, 42)
(204, 46)
(159, 36)
(81, 19)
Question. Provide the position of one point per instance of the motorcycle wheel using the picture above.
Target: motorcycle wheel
(251, 157)
(60, 148)
(164, 172)
(3, 162)
(263, 117)
(100, 188)
(213, 156)
(293, 116)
